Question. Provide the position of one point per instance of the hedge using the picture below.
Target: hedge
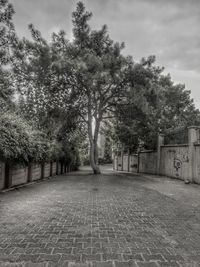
(21, 143)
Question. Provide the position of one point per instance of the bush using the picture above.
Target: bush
(20, 143)
(15, 143)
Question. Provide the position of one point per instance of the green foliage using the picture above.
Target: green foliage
(153, 104)
(15, 142)
(20, 143)
(108, 150)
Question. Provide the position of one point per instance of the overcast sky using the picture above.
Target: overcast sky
(169, 29)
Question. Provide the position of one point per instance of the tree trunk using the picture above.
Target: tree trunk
(93, 147)
(93, 153)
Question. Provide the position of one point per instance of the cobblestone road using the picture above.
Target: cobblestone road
(95, 221)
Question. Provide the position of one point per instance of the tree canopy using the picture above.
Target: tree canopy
(66, 90)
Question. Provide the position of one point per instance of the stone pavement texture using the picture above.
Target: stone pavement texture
(111, 220)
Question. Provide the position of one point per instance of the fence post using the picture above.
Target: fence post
(128, 160)
(122, 158)
(29, 178)
(8, 176)
(192, 139)
(42, 170)
(138, 162)
(51, 169)
(159, 144)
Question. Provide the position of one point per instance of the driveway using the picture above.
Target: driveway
(110, 220)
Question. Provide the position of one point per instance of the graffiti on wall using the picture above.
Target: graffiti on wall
(177, 164)
(179, 157)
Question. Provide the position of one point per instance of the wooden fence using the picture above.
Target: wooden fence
(14, 175)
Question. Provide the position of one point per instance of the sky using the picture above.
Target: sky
(168, 29)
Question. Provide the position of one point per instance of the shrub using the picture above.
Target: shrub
(15, 142)
(21, 143)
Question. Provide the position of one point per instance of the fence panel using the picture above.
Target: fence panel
(125, 163)
(36, 172)
(19, 175)
(47, 170)
(148, 162)
(54, 168)
(133, 163)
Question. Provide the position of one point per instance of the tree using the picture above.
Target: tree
(153, 105)
(45, 98)
(100, 75)
(81, 78)
(7, 38)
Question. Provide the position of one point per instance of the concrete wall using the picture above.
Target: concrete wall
(147, 162)
(174, 161)
(196, 164)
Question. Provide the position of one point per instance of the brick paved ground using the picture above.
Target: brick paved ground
(95, 221)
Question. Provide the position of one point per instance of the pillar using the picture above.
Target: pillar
(159, 144)
(122, 159)
(193, 137)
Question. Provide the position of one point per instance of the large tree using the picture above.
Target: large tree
(100, 72)
(82, 78)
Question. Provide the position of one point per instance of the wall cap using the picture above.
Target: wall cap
(193, 127)
(175, 145)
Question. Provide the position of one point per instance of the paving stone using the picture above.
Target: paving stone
(172, 264)
(137, 257)
(148, 264)
(75, 264)
(48, 257)
(103, 264)
(71, 257)
(62, 251)
(31, 264)
(91, 257)
(113, 256)
(154, 257)
(125, 264)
